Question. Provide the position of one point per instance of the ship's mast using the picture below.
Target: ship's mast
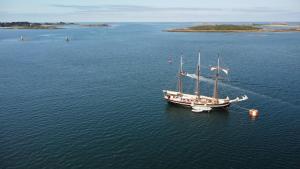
(218, 70)
(180, 76)
(216, 81)
(197, 90)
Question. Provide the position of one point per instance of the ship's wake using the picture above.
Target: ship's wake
(225, 85)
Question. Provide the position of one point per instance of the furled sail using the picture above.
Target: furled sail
(215, 68)
(194, 76)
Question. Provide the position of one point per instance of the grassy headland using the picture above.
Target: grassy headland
(217, 28)
(229, 28)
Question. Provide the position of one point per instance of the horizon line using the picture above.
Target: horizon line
(147, 21)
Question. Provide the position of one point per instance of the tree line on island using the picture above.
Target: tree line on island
(238, 28)
(45, 25)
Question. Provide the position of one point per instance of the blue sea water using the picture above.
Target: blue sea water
(96, 101)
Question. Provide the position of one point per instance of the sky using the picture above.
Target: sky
(150, 11)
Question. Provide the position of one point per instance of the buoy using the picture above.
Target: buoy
(253, 112)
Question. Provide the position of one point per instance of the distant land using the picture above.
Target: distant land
(45, 25)
(29, 25)
(95, 25)
(236, 28)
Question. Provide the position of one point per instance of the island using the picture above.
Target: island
(95, 25)
(29, 25)
(231, 28)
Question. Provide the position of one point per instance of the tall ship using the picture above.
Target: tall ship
(196, 101)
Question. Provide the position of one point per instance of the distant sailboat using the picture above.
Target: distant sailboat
(199, 102)
(170, 60)
(21, 38)
(67, 39)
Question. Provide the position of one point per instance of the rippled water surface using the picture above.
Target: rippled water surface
(96, 102)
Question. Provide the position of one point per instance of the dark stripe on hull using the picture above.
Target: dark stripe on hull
(178, 104)
(221, 106)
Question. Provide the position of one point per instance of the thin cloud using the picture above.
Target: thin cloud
(137, 13)
(136, 8)
(133, 8)
(258, 9)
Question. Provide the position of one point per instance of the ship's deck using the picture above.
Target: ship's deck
(190, 100)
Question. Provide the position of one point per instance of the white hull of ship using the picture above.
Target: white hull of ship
(189, 100)
(197, 102)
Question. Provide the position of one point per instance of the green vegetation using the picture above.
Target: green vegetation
(29, 25)
(234, 28)
(34, 27)
(224, 27)
(218, 28)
